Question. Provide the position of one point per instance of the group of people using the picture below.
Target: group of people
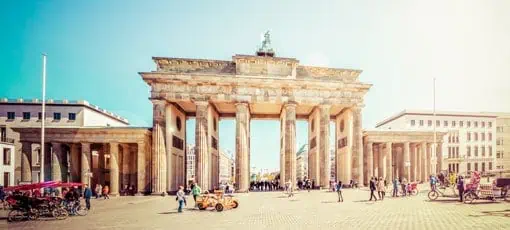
(377, 185)
(101, 191)
(265, 185)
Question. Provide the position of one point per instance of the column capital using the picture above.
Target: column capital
(242, 104)
(290, 104)
(158, 101)
(201, 102)
(324, 106)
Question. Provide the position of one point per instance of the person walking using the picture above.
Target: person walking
(99, 190)
(395, 187)
(381, 188)
(433, 182)
(460, 187)
(289, 188)
(87, 194)
(106, 190)
(196, 191)
(372, 189)
(339, 191)
(181, 199)
(403, 185)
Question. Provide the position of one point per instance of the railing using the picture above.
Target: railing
(6, 140)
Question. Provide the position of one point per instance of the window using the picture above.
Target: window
(412, 123)
(11, 115)
(490, 136)
(449, 139)
(483, 136)
(457, 139)
(429, 123)
(468, 124)
(483, 166)
(490, 124)
(421, 122)
(56, 116)
(476, 124)
(7, 178)
(483, 151)
(476, 151)
(39, 116)
(498, 154)
(7, 156)
(469, 136)
(468, 152)
(490, 151)
(483, 124)
(476, 136)
(72, 117)
(461, 123)
(449, 152)
(445, 124)
(490, 166)
(499, 129)
(457, 167)
(26, 115)
(499, 141)
(454, 123)
(438, 123)
(457, 149)
(476, 166)
(468, 166)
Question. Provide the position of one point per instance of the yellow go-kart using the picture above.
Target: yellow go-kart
(217, 200)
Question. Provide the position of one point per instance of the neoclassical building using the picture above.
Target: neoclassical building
(261, 86)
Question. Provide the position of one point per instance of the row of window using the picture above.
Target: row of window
(499, 141)
(499, 154)
(455, 167)
(27, 116)
(453, 123)
(453, 152)
(482, 136)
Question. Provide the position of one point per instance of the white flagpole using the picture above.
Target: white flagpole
(43, 118)
(435, 122)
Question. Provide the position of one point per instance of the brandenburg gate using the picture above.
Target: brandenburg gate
(249, 87)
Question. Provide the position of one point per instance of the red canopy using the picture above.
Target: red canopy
(48, 184)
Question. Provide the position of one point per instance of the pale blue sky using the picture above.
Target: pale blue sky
(97, 47)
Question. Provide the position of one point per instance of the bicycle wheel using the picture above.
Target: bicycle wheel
(33, 214)
(469, 198)
(433, 195)
(81, 210)
(60, 213)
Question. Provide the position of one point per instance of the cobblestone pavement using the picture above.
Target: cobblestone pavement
(273, 210)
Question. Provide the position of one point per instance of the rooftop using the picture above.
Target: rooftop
(49, 102)
(438, 113)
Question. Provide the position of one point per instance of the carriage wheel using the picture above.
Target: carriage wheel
(235, 204)
(15, 215)
(219, 207)
(469, 198)
(33, 214)
(201, 206)
(415, 192)
(433, 195)
(81, 210)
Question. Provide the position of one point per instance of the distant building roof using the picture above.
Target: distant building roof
(65, 102)
(438, 113)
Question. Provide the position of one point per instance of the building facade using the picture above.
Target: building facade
(26, 113)
(503, 142)
(302, 163)
(226, 162)
(7, 161)
(470, 142)
(190, 162)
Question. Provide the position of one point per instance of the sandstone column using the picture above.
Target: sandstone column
(325, 162)
(382, 160)
(389, 161)
(114, 168)
(101, 164)
(201, 145)
(140, 168)
(407, 162)
(428, 164)
(290, 142)
(439, 157)
(413, 162)
(56, 161)
(75, 162)
(125, 165)
(423, 159)
(357, 146)
(159, 167)
(85, 163)
(370, 161)
(242, 173)
(26, 162)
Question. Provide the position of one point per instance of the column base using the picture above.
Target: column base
(163, 194)
(140, 194)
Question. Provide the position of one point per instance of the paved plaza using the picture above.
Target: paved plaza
(272, 210)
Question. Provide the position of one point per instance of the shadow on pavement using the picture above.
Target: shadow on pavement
(502, 213)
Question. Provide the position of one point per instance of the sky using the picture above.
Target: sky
(96, 49)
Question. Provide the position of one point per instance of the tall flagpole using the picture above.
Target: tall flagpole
(43, 118)
(435, 122)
